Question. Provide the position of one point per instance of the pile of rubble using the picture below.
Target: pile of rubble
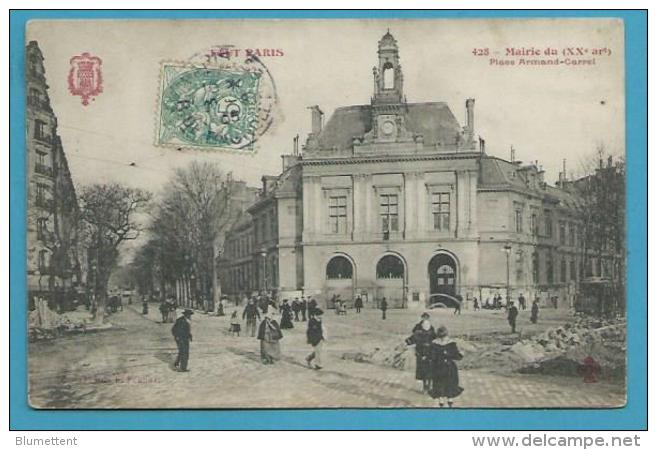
(44, 323)
(558, 351)
(566, 350)
(562, 350)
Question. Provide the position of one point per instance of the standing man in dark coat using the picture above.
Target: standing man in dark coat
(296, 306)
(522, 302)
(358, 304)
(251, 314)
(512, 316)
(534, 316)
(384, 307)
(312, 305)
(303, 308)
(316, 335)
(182, 332)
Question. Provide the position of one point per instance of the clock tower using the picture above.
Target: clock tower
(388, 101)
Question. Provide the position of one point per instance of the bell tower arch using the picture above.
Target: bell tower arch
(388, 77)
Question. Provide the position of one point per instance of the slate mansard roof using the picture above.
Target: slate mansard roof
(433, 120)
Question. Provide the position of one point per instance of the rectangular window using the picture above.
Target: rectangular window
(548, 224)
(41, 158)
(571, 234)
(563, 270)
(389, 212)
(534, 224)
(562, 233)
(518, 220)
(42, 227)
(573, 269)
(549, 268)
(41, 190)
(43, 260)
(40, 130)
(34, 95)
(338, 214)
(440, 210)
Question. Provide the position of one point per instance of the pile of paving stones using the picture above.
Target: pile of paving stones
(589, 344)
(44, 323)
(562, 350)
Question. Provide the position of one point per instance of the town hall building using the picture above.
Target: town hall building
(399, 200)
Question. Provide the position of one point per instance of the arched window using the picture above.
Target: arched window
(388, 76)
(390, 266)
(338, 268)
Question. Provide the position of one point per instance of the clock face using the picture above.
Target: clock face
(388, 128)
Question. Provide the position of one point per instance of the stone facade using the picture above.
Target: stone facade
(398, 200)
(55, 263)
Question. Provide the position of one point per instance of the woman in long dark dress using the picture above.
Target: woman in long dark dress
(269, 334)
(445, 373)
(286, 316)
(423, 334)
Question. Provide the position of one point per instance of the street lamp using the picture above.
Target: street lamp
(507, 250)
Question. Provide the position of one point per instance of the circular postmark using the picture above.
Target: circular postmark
(215, 99)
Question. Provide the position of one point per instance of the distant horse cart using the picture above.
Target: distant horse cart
(597, 296)
(114, 303)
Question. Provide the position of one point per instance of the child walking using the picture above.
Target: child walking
(235, 326)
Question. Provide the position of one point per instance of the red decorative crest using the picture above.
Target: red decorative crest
(85, 78)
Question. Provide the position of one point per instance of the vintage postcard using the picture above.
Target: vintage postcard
(326, 213)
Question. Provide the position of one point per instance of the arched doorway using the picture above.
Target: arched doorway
(339, 280)
(442, 274)
(391, 280)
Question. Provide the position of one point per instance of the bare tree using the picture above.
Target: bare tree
(195, 210)
(110, 211)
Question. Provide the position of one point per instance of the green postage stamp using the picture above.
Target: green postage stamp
(208, 107)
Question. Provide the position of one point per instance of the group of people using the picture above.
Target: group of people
(270, 331)
(167, 309)
(435, 355)
(435, 352)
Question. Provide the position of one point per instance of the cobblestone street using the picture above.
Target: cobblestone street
(131, 367)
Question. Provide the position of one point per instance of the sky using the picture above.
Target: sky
(546, 113)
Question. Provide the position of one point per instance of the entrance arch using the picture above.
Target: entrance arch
(391, 280)
(340, 277)
(443, 274)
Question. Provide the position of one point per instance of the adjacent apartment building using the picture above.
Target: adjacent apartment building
(53, 262)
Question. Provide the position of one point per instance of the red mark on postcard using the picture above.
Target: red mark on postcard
(85, 77)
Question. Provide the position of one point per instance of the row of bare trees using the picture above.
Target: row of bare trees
(179, 257)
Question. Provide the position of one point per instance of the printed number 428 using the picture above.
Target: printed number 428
(480, 52)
